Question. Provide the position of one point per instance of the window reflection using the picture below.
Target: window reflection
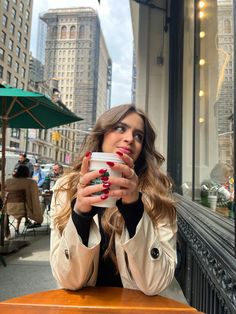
(213, 92)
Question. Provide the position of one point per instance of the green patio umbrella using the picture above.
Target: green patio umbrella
(25, 109)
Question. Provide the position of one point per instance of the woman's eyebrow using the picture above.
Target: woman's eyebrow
(128, 126)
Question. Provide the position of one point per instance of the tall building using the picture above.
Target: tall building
(15, 28)
(36, 70)
(41, 40)
(76, 54)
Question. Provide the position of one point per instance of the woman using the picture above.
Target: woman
(132, 245)
(31, 209)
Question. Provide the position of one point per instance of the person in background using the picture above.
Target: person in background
(21, 180)
(131, 245)
(51, 178)
(38, 175)
(23, 160)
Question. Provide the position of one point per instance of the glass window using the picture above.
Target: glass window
(4, 20)
(18, 51)
(21, 7)
(20, 21)
(3, 37)
(9, 60)
(63, 32)
(6, 5)
(26, 29)
(2, 53)
(27, 15)
(13, 13)
(81, 31)
(1, 71)
(25, 43)
(24, 57)
(10, 44)
(212, 135)
(8, 77)
(72, 32)
(12, 29)
(17, 67)
(19, 36)
(15, 83)
(23, 72)
(15, 133)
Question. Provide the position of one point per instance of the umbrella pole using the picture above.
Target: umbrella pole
(3, 212)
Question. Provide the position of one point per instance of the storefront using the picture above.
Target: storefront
(185, 81)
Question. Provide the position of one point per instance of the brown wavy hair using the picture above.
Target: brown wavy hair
(154, 184)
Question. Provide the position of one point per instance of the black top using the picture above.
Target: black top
(108, 274)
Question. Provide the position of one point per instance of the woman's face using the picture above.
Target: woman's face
(126, 136)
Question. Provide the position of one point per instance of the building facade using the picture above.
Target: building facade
(77, 56)
(16, 17)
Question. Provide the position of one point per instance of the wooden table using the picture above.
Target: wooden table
(93, 300)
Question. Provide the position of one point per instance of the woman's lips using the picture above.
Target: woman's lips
(125, 150)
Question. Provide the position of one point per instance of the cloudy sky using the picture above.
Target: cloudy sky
(117, 30)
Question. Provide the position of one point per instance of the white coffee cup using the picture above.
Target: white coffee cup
(98, 161)
(212, 200)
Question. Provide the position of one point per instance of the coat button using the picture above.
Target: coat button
(155, 252)
(67, 253)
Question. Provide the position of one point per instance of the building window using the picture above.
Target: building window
(63, 32)
(13, 13)
(27, 15)
(9, 60)
(72, 32)
(15, 1)
(25, 43)
(1, 71)
(15, 83)
(3, 37)
(15, 132)
(22, 85)
(19, 36)
(23, 72)
(10, 44)
(6, 5)
(4, 20)
(21, 7)
(26, 29)
(20, 21)
(12, 29)
(2, 53)
(17, 67)
(14, 144)
(24, 57)
(18, 51)
(8, 77)
(81, 31)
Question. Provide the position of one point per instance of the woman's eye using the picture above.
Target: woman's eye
(139, 137)
(119, 128)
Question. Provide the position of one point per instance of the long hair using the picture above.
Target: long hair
(154, 184)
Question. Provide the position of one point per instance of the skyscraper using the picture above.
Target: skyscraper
(76, 54)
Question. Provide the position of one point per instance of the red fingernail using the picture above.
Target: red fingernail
(110, 163)
(105, 191)
(104, 197)
(88, 154)
(104, 178)
(106, 184)
(119, 153)
(102, 171)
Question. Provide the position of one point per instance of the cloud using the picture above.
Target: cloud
(116, 26)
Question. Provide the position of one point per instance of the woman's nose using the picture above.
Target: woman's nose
(128, 136)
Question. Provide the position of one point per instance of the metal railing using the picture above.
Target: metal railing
(207, 269)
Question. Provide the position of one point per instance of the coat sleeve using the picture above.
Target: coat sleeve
(73, 264)
(147, 260)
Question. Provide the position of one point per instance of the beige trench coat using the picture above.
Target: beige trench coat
(33, 208)
(75, 265)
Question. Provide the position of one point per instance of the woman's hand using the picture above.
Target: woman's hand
(85, 192)
(128, 183)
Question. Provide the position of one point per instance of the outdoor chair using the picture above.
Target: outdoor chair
(15, 197)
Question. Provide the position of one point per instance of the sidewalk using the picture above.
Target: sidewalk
(28, 270)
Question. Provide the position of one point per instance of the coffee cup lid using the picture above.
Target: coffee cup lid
(106, 157)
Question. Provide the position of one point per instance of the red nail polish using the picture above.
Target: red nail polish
(88, 154)
(102, 171)
(106, 184)
(104, 178)
(119, 153)
(110, 163)
(105, 191)
(104, 197)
